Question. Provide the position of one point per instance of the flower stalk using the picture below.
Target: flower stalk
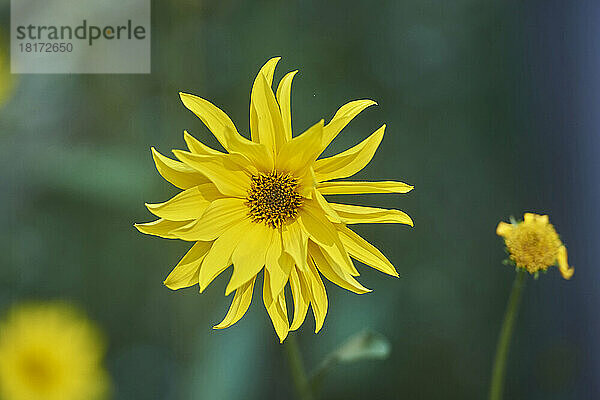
(296, 365)
(506, 331)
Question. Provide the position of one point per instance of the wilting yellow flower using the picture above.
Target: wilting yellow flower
(534, 245)
(50, 352)
(262, 204)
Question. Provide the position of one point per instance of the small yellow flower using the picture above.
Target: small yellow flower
(261, 204)
(534, 245)
(50, 352)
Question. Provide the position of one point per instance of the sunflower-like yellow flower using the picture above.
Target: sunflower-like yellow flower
(534, 245)
(50, 352)
(261, 204)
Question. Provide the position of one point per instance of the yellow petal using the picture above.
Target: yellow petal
(267, 72)
(219, 256)
(295, 241)
(503, 229)
(187, 205)
(350, 161)
(218, 217)
(323, 232)
(161, 228)
(214, 118)
(276, 308)
(330, 212)
(278, 263)
(307, 184)
(368, 215)
(318, 295)
(365, 252)
(342, 117)
(270, 125)
(249, 255)
(239, 305)
(301, 296)
(185, 273)
(338, 255)
(224, 171)
(315, 223)
(261, 157)
(225, 131)
(529, 217)
(566, 271)
(197, 146)
(332, 271)
(177, 173)
(348, 187)
(297, 155)
(284, 99)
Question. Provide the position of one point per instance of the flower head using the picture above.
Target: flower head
(50, 352)
(534, 245)
(260, 206)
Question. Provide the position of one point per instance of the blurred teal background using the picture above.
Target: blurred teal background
(491, 110)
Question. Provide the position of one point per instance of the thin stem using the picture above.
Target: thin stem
(294, 357)
(510, 316)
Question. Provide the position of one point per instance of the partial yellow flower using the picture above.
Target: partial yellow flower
(261, 204)
(534, 245)
(7, 80)
(50, 352)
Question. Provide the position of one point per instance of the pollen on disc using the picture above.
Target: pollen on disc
(273, 198)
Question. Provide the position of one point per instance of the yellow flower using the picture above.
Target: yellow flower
(50, 352)
(7, 81)
(534, 245)
(261, 204)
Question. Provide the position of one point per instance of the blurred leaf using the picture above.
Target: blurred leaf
(365, 345)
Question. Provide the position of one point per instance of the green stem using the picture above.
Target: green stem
(510, 316)
(294, 357)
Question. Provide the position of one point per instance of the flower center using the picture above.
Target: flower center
(533, 246)
(273, 198)
(37, 370)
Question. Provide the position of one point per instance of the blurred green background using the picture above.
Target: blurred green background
(490, 113)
